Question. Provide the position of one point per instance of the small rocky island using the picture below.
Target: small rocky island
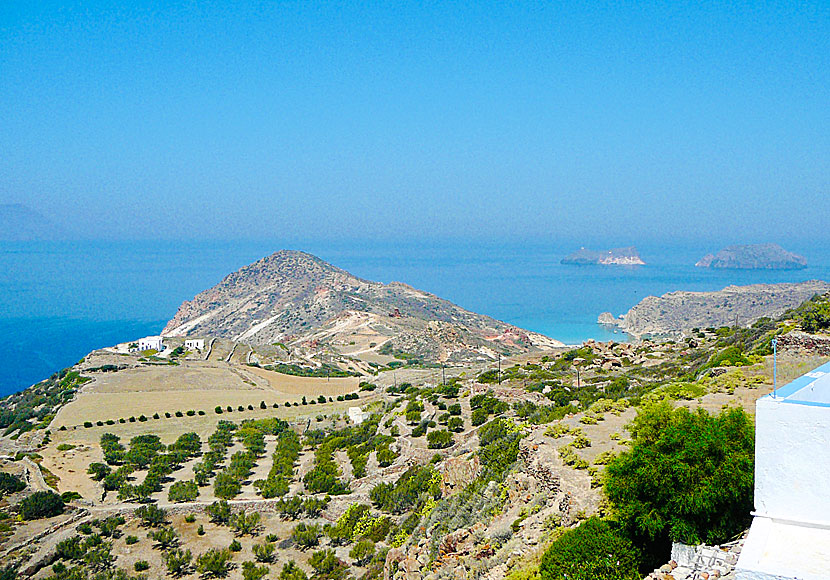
(754, 257)
(616, 257)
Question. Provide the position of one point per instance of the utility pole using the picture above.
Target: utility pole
(774, 367)
(443, 374)
(499, 375)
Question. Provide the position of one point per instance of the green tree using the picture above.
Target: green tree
(306, 535)
(245, 524)
(327, 566)
(687, 477)
(290, 571)
(439, 439)
(362, 552)
(183, 491)
(219, 512)
(164, 538)
(177, 562)
(151, 515)
(264, 552)
(41, 504)
(11, 483)
(589, 552)
(216, 562)
(250, 571)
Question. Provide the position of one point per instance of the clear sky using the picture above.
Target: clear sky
(618, 121)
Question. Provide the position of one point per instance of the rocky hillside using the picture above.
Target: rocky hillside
(294, 297)
(754, 257)
(616, 257)
(677, 312)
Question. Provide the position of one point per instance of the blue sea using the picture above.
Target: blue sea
(60, 300)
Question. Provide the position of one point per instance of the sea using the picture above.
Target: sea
(60, 300)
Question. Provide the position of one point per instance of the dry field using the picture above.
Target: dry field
(193, 385)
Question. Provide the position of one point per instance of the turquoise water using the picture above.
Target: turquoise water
(60, 300)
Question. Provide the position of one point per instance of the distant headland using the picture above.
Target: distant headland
(754, 257)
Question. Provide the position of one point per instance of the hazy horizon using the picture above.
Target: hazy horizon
(304, 121)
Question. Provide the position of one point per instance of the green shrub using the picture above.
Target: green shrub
(41, 504)
(130, 540)
(688, 476)
(141, 565)
(10, 483)
(214, 562)
(594, 550)
(183, 491)
(439, 439)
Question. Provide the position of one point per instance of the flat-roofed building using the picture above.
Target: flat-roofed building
(790, 533)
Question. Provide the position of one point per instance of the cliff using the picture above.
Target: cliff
(754, 257)
(678, 312)
(297, 298)
(616, 257)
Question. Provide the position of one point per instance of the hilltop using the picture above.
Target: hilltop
(678, 312)
(754, 257)
(616, 257)
(296, 298)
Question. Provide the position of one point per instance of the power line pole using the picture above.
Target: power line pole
(499, 375)
(443, 374)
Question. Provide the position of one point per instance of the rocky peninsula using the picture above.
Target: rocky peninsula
(754, 257)
(616, 257)
(676, 313)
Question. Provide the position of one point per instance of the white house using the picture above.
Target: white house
(150, 342)
(357, 416)
(194, 344)
(790, 533)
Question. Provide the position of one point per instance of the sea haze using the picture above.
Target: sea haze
(60, 300)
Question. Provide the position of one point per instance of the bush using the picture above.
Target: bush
(362, 552)
(327, 565)
(306, 535)
(10, 483)
(687, 477)
(130, 540)
(592, 550)
(214, 562)
(151, 515)
(264, 552)
(219, 512)
(41, 504)
(455, 424)
(290, 571)
(251, 571)
(141, 565)
(439, 439)
(235, 546)
(177, 562)
(183, 491)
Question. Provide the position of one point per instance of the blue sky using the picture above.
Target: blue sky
(606, 121)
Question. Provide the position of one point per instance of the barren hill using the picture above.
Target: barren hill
(294, 297)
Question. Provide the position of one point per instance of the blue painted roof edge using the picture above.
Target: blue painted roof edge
(798, 384)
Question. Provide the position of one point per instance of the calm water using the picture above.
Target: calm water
(60, 300)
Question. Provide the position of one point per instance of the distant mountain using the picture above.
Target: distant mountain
(21, 223)
(616, 257)
(754, 257)
(678, 312)
(296, 298)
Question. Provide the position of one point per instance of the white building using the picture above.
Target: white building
(357, 416)
(150, 342)
(790, 534)
(194, 344)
